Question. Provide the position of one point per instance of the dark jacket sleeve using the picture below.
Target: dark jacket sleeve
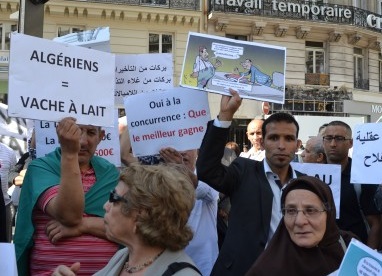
(209, 167)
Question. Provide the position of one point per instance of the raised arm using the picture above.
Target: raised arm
(209, 167)
(68, 206)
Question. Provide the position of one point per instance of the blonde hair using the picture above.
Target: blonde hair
(163, 196)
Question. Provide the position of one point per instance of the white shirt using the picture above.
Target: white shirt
(253, 154)
(276, 203)
(7, 161)
(203, 248)
(201, 64)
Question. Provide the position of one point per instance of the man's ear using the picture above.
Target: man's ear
(299, 143)
(320, 157)
(101, 135)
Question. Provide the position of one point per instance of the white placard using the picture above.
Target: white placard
(50, 80)
(175, 118)
(8, 259)
(142, 73)
(367, 154)
(108, 148)
(97, 39)
(328, 173)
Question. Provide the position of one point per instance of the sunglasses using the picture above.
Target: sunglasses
(114, 197)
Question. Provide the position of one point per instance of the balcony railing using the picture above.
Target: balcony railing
(357, 18)
(170, 4)
(317, 79)
(311, 106)
(361, 84)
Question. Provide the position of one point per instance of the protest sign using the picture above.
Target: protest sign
(142, 73)
(359, 260)
(174, 118)
(8, 259)
(328, 173)
(50, 80)
(215, 64)
(97, 39)
(367, 154)
(108, 148)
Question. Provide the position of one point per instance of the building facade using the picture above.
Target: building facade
(333, 65)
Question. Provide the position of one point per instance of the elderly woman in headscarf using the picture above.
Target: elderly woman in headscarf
(147, 212)
(307, 240)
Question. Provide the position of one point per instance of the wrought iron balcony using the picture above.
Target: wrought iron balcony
(309, 106)
(358, 16)
(317, 79)
(170, 4)
(361, 84)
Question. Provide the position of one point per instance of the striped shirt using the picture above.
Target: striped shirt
(93, 253)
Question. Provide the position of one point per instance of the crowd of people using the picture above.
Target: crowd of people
(207, 211)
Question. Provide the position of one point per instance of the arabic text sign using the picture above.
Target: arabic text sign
(174, 118)
(142, 73)
(367, 154)
(50, 80)
(47, 141)
(214, 63)
(328, 173)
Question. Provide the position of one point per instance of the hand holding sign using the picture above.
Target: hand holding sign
(69, 135)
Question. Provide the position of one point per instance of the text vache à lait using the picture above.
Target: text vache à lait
(59, 106)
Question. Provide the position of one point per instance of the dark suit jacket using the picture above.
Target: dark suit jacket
(245, 182)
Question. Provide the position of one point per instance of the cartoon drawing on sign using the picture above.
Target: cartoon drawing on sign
(257, 76)
(256, 71)
(204, 70)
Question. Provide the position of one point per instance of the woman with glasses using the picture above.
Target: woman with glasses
(307, 240)
(147, 213)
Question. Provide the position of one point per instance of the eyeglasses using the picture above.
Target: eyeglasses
(114, 197)
(309, 212)
(335, 138)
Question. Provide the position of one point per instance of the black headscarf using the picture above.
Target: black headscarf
(284, 257)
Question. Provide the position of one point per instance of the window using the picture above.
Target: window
(314, 57)
(160, 43)
(358, 63)
(237, 37)
(360, 74)
(379, 6)
(5, 35)
(380, 71)
(362, 4)
(64, 30)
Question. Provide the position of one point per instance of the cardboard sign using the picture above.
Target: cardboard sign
(328, 173)
(215, 64)
(142, 73)
(367, 154)
(108, 148)
(175, 118)
(50, 80)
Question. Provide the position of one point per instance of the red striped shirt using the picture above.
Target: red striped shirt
(93, 253)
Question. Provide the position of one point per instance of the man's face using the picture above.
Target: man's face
(254, 133)
(246, 64)
(336, 151)
(204, 54)
(309, 155)
(280, 144)
(91, 136)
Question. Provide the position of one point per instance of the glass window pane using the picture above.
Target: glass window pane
(153, 43)
(166, 43)
(320, 62)
(309, 56)
(1, 37)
